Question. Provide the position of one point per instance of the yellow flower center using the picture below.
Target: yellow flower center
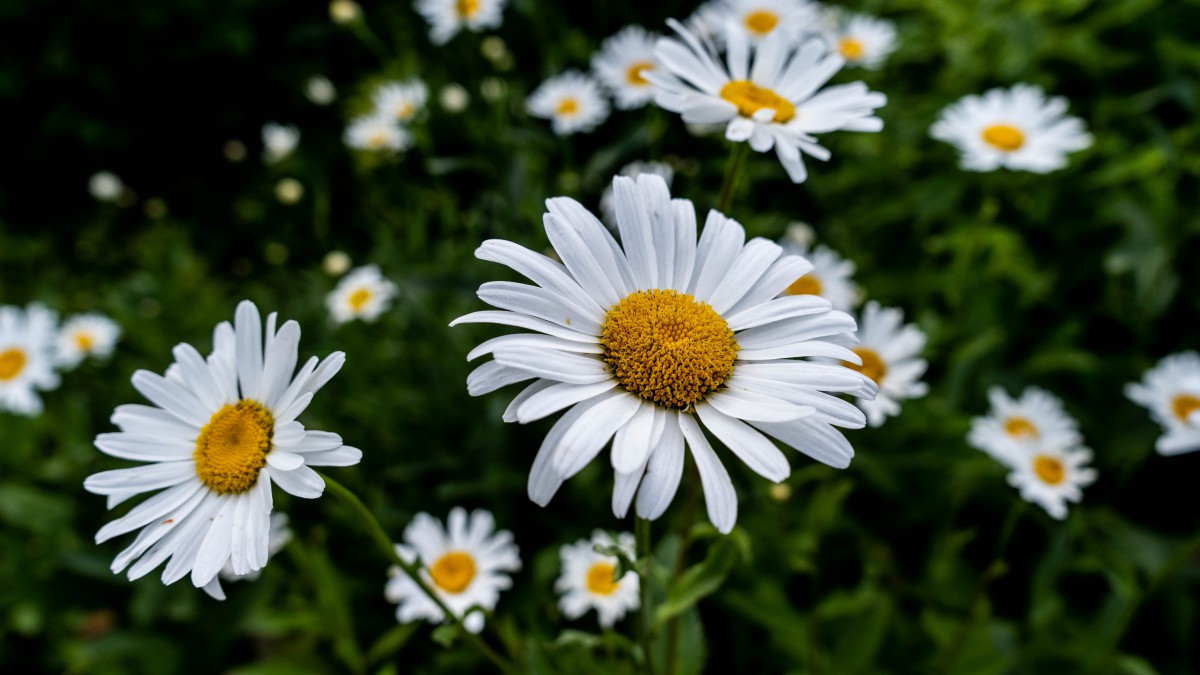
(873, 365)
(12, 362)
(1049, 469)
(567, 106)
(750, 98)
(761, 22)
(467, 8)
(84, 341)
(377, 140)
(453, 572)
(405, 110)
(805, 285)
(1183, 406)
(1019, 427)
(851, 48)
(600, 579)
(359, 299)
(667, 347)
(232, 448)
(634, 74)
(1004, 137)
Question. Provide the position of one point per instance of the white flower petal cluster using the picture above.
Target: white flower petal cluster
(85, 336)
(621, 66)
(588, 580)
(572, 101)
(27, 359)
(279, 141)
(861, 39)
(890, 352)
(1171, 392)
(447, 17)
(364, 294)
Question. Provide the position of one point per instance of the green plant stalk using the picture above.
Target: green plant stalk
(733, 167)
(646, 572)
(685, 540)
(413, 570)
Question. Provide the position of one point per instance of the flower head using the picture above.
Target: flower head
(84, 336)
(1050, 476)
(861, 39)
(890, 352)
(621, 66)
(447, 17)
(279, 141)
(378, 133)
(1014, 424)
(589, 581)
(1171, 392)
(362, 294)
(401, 100)
(759, 19)
(27, 340)
(572, 102)
(105, 186)
(831, 276)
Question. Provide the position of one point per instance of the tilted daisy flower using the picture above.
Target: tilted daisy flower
(758, 19)
(608, 209)
(643, 342)
(773, 104)
(1171, 391)
(401, 100)
(447, 17)
(84, 336)
(1017, 128)
(378, 133)
(220, 432)
(1051, 475)
(26, 357)
(1011, 425)
(572, 102)
(861, 39)
(277, 537)
(588, 579)
(831, 276)
(891, 357)
(364, 294)
(105, 186)
(279, 141)
(621, 65)
(467, 564)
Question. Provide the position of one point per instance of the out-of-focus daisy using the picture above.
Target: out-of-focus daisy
(608, 209)
(1050, 476)
(621, 66)
(220, 432)
(1171, 391)
(467, 564)
(277, 537)
(401, 100)
(572, 102)
(773, 104)
(27, 339)
(362, 294)
(861, 39)
(344, 11)
(320, 90)
(645, 341)
(447, 17)
(454, 98)
(378, 133)
(83, 336)
(105, 186)
(1011, 425)
(289, 191)
(758, 19)
(831, 275)
(588, 579)
(890, 353)
(279, 141)
(1017, 128)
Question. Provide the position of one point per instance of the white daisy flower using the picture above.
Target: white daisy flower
(83, 336)
(608, 209)
(362, 294)
(26, 357)
(277, 537)
(1017, 128)
(1050, 476)
(401, 100)
(378, 133)
(1171, 391)
(758, 19)
(861, 39)
(572, 102)
(467, 564)
(775, 103)
(320, 90)
(588, 579)
(621, 64)
(105, 186)
(831, 275)
(642, 342)
(891, 357)
(220, 432)
(447, 17)
(279, 141)
(1012, 425)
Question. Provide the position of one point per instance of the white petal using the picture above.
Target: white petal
(814, 438)
(140, 478)
(157, 506)
(145, 448)
(218, 543)
(171, 397)
(554, 365)
(631, 445)
(491, 376)
(523, 321)
(284, 461)
(663, 471)
(248, 327)
(584, 440)
(534, 341)
(302, 482)
(719, 496)
(759, 453)
(787, 307)
(280, 363)
(558, 396)
(538, 302)
(343, 456)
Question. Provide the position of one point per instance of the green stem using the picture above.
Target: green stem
(413, 570)
(737, 157)
(646, 574)
(685, 540)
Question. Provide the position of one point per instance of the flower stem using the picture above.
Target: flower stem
(737, 157)
(685, 540)
(413, 570)
(646, 573)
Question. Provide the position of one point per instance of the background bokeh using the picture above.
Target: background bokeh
(1075, 281)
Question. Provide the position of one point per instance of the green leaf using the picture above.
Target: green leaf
(699, 580)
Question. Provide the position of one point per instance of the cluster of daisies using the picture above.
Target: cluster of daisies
(35, 348)
(385, 128)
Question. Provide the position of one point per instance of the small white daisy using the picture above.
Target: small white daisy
(467, 564)
(890, 353)
(861, 39)
(757, 19)
(378, 133)
(277, 537)
(831, 276)
(447, 17)
(26, 357)
(1017, 128)
(572, 102)
(1037, 417)
(401, 100)
(1050, 476)
(320, 90)
(279, 141)
(105, 186)
(643, 342)
(363, 294)
(588, 579)
(83, 336)
(773, 104)
(221, 431)
(1171, 391)
(621, 66)
(608, 209)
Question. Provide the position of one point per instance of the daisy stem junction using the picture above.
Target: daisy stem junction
(646, 571)
(733, 167)
(413, 570)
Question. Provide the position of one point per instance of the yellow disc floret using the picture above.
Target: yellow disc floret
(359, 299)
(12, 362)
(750, 98)
(762, 22)
(851, 49)
(1004, 137)
(1019, 427)
(873, 365)
(667, 347)
(567, 107)
(453, 572)
(634, 75)
(805, 285)
(1183, 406)
(600, 579)
(1049, 469)
(467, 8)
(232, 448)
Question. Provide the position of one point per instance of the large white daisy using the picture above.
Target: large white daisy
(891, 356)
(26, 357)
(572, 102)
(1050, 475)
(831, 276)
(277, 537)
(621, 66)
(1017, 128)
(1012, 425)
(220, 432)
(773, 104)
(401, 100)
(1171, 391)
(447, 17)
(643, 342)
(589, 581)
(84, 336)
(364, 294)
(861, 39)
(467, 564)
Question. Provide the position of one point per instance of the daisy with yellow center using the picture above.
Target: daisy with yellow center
(221, 431)
(573, 102)
(862, 40)
(767, 94)
(1036, 418)
(588, 580)
(1050, 476)
(85, 336)
(621, 66)
(467, 563)
(831, 277)
(447, 17)
(27, 359)
(377, 133)
(1017, 128)
(401, 100)
(1171, 392)
(363, 294)
(758, 19)
(891, 356)
(643, 342)
(279, 141)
